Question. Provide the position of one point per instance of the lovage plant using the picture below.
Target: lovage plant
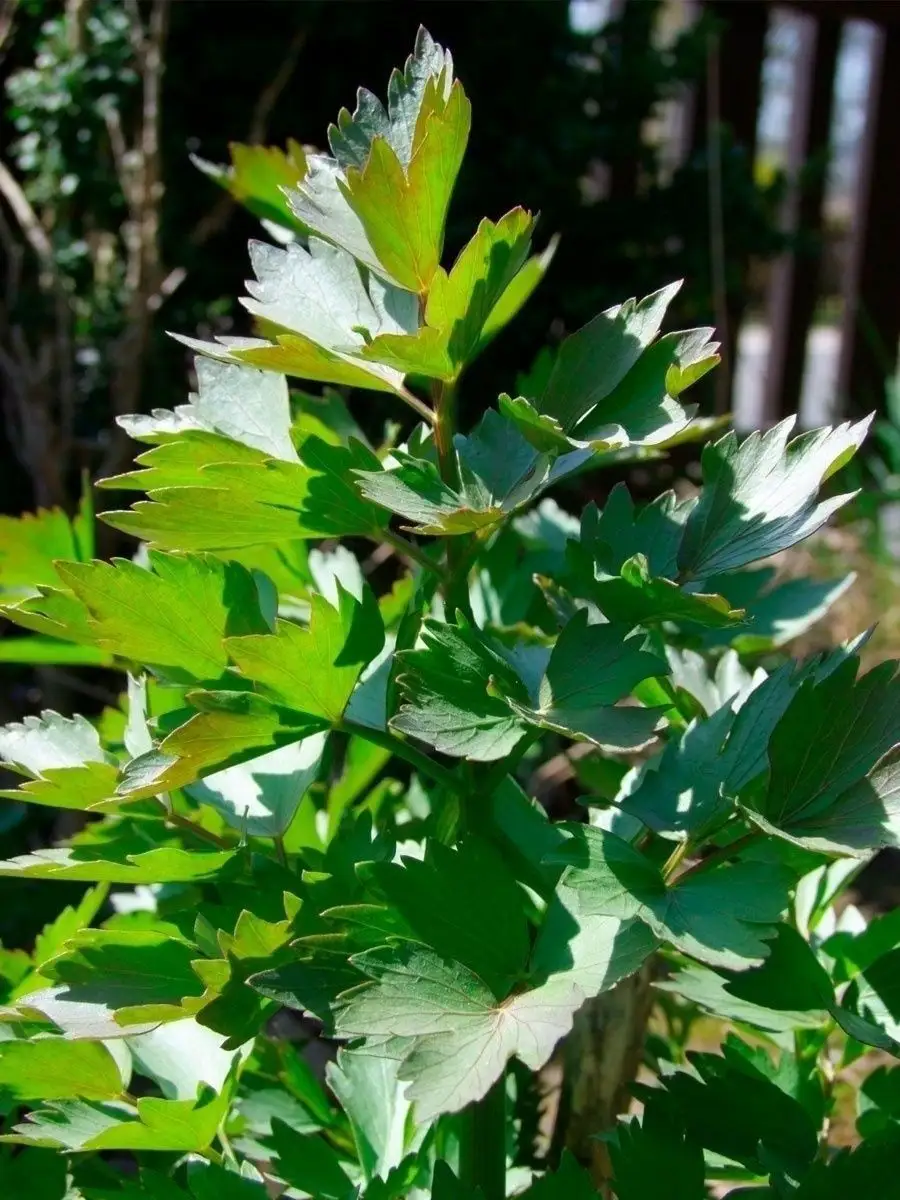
(355, 680)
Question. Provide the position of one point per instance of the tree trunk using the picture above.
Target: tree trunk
(601, 1059)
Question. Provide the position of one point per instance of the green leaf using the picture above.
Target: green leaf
(759, 496)
(460, 303)
(413, 488)
(499, 471)
(833, 783)
(589, 669)
(179, 1126)
(793, 980)
(51, 939)
(257, 178)
(45, 651)
(200, 498)
(230, 728)
(879, 1101)
(351, 137)
(30, 544)
(868, 1170)
(723, 916)
(620, 532)
(370, 1094)
(466, 696)
(63, 756)
(453, 1034)
(314, 670)
(50, 742)
(139, 975)
(308, 1163)
(318, 294)
(384, 195)
(93, 864)
(447, 699)
(710, 991)
(689, 788)
(262, 794)
(636, 597)
(517, 292)
(38, 1174)
(484, 927)
(402, 207)
(314, 305)
(729, 1106)
(248, 406)
(53, 1069)
(774, 613)
(180, 1056)
(644, 1152)
(613, 384)
(174, 617)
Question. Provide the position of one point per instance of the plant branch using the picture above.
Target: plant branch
(444, 399)
(418, 406)
(402, 749)
(721, 854)
(215, 220)
(280, 849)
(408, 549)
(206, 835)
(456, 588)
(34, 232)
(674, 861)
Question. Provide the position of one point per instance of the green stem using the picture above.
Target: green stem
(206, 835)
(280, 849)
(482, 1144)
(675, 859)
(228, 1154)
(495, 775)
(418, 406)
(456, 587)
(721, 854)
(409, 549)
(408, 752)
(444, 399)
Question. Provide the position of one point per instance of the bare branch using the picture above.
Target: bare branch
(121, 155)
(144, 272)
(269, 96)
(7, 19)
(219, 215)
(27, 218)
(50, 281)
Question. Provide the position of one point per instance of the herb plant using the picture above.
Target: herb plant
(348, 669)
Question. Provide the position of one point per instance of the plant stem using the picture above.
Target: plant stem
(721, 854)
(456, 587)
(198, 831)
(444, 399)
(495, 775)
(409, 549)
(280, 850)
(416, 758)
(673, 862)
(418, 406)
(228, 1153)
(482, 1144)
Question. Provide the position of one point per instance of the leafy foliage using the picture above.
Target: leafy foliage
(312, 798)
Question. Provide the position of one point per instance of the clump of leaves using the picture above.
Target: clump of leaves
(314, 797)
